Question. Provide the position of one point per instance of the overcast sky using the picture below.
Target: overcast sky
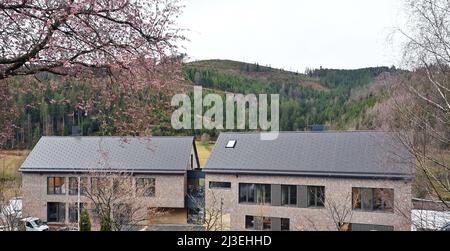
(293, 34)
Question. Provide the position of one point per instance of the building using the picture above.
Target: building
(311, 181)
(53, 173)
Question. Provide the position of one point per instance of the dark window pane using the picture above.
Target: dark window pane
(55, 212)
(289, 195)
(249, 222)
(284, 195)
(311, 197)
(242, 193)
(293, 195)
(213, 184)
(285, 224)
(251, 193)
(267, 194)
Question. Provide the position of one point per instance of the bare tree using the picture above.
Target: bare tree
(340, 211)
(10, 208)
(419, 110)
(213, 212)
(117, 199)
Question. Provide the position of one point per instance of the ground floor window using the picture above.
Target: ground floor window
(56, 212)
(285, 224)
(73, 211)
(369, 227)
(261, 223)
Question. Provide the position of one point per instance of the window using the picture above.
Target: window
(145, 187)
(73, 211)
(368, 227)
(249, 222)
(55, 185)
(316, 196)
(262, 223)
(84, 181)
(266, 223)
(247, 193)
(288, 195)
(258, 223)
(373, 199)
(214, 184)
(254, 193)
(98, 183)
(56, 212)
(73, 185)
(231, 144)
(285, 224)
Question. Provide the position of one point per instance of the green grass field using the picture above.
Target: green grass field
(10, 162)
(204, 150)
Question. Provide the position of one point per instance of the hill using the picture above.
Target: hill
(338, 98)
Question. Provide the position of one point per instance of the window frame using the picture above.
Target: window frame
(386, 206)
(220, 185)
(52, 189)
(261, 194)
(59, 210)
(289, 195)
(317, 203)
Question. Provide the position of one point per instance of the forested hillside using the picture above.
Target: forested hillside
(321, 96)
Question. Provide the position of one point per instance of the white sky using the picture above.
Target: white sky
(293, 34)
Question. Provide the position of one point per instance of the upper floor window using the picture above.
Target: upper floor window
(73, 185)
(316, 196)
(373, 199)
(254, 193)
(288, 195)
(145, 187)
(215, 184)
(55, 185)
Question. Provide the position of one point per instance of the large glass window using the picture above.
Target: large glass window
(373, 199)
(288, 195)
(56, 212)
(316, 196)
(73, 211)
(145, 187)
(254, 193)
(55, 185)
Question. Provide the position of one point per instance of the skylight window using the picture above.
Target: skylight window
(231, 144)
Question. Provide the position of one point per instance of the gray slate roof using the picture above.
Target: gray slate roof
(349, 154)
(155, 154)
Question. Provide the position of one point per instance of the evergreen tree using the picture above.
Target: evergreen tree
(85, 222)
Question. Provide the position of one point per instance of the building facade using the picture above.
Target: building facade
(62, 171)
(311, 181)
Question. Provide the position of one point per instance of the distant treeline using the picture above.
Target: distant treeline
(44, 110)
